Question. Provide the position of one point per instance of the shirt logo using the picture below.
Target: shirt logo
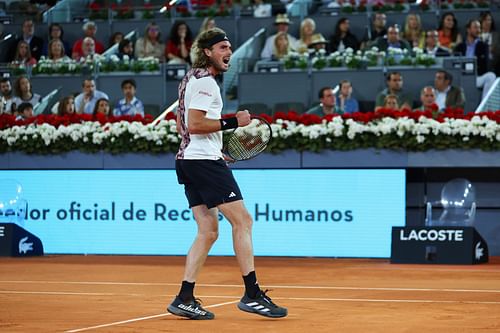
(205, 93)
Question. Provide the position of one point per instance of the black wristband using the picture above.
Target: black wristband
(228, 123)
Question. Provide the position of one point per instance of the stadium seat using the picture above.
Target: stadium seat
(256, 108)
(297, 107)
(152, 109)
(458, 201)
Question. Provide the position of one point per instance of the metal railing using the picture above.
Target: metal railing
(492, 100)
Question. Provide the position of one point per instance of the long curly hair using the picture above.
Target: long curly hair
(201, 60)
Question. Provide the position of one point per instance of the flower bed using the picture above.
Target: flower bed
(384, 129)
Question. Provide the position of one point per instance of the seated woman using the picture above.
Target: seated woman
(413, 32)
(342, 37)
(307, 28)
(23, 55)
(281, 46)
(102, 107)
(56, 51)
(448, 34)
(56, 32)
(150, 45)
(23, 92)
(391, 103)
(66, 106)
(126, 48)
(179, 44)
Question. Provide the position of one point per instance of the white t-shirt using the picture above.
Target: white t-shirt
(203, 94)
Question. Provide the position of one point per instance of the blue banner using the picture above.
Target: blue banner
(325, 213)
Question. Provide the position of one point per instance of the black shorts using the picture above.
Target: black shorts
(207, 182)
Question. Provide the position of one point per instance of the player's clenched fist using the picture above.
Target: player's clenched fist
(243, 118)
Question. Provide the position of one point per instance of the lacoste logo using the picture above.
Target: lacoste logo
(232, 195)
(479, 251)
(25, 247)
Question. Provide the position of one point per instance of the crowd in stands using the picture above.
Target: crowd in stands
(445, 40)
(20, 100)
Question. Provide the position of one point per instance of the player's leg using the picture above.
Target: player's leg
(255, 300)
(185, 304)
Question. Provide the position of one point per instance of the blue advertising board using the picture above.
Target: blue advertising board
(324, 213)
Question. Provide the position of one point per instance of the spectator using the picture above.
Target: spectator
(282, 22)
(35, 43)
(207, 24)
(102, 107)
(392, 40)
(342, 37)
(307, 28)
(86, 100)
(130, 105)
(413, 32)
(261, 9)
(126, 48)
(24, 111)
(89, 30)
(447, 96)
(23, 92)
(150, 45)
(391, 103)
(345, 102)
(88, 49)
(448, 31)
(56, 32)
(473, 46)
(66, 106)
(6, 97)
(23, 55)
(394, 87)
(487, 29)
(56, 51)
(317, 45)
(377, 30)
(281, 46)
(179, 44)
(432, 47)
(327, 103)
(428, 99)
(116, 38)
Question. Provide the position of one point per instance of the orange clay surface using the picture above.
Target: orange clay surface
(130, 294)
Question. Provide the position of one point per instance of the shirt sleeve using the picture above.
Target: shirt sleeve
(203, 91)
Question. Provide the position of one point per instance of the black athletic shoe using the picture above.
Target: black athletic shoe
(191, 309)
(262, 305)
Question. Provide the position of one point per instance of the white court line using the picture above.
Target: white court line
(315, 299)
(62, 293)
(267, 286)
(139, 319)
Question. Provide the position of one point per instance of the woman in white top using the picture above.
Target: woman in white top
(307, 29)
(150, 45)
(56, 51)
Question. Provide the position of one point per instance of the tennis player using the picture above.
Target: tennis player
(209, 184)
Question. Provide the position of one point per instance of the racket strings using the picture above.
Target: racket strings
(247, 142)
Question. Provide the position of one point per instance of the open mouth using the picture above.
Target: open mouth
(226, 60)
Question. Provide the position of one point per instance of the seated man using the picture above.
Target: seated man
(428, 99)
(392, 40)
(447, 96)
(129, 105)
(432, 45)
(345, 102)
(327, 103)
(282, 22)
(85, 102)
(394, 87)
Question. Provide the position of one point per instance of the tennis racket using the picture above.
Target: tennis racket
(244, 143)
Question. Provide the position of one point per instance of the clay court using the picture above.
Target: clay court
(130, 294)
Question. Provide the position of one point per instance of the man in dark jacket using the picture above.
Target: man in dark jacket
(35, 42)
(447, 96)
(473, 46)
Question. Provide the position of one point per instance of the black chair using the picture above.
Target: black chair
(256, 108)
(285, 107)
(152, 109)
